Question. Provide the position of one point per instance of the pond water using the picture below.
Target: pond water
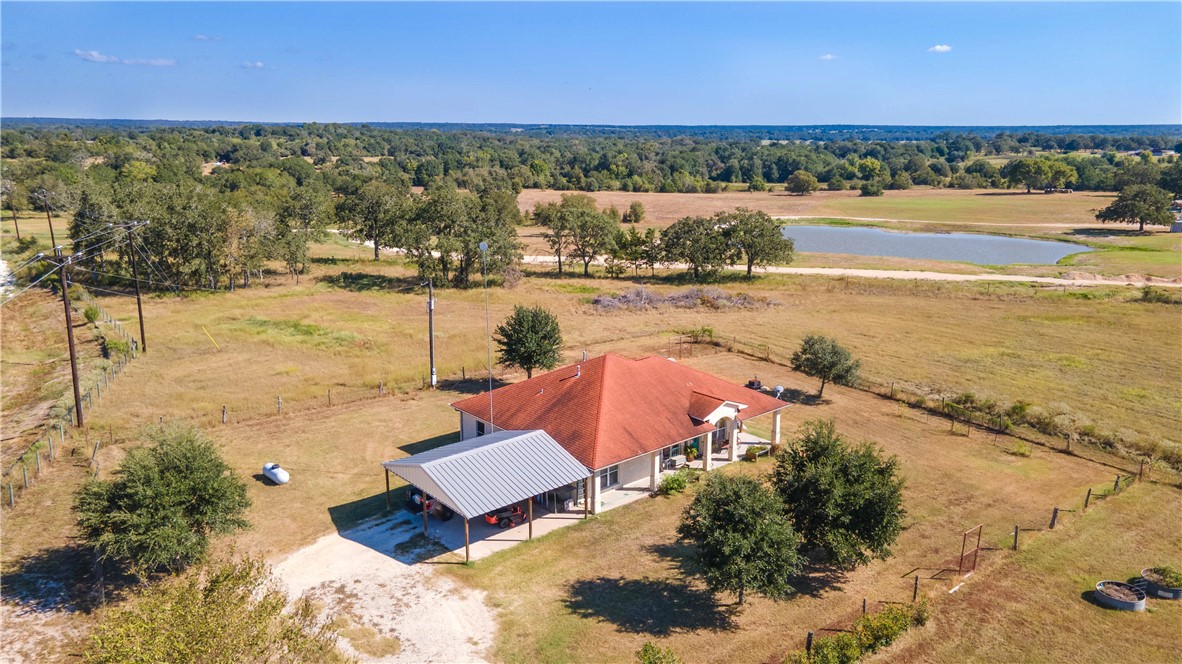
(965, 247)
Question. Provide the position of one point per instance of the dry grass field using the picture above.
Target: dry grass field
(352, 324)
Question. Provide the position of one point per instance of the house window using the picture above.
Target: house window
(609, 477)
(479, 428)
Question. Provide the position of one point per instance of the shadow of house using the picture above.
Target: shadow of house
(471, 385)
(657, 607)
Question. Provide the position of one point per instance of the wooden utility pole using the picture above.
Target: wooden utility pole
(64, 264)
(45, 200)
(431, 331)
(139, 307)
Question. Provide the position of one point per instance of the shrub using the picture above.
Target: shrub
(650, 653)
(1152, 295)
(836, 184)
(92, 313)
(838, 649)
(877, 630)
(871, 188)
(115, 347)
(675, 483)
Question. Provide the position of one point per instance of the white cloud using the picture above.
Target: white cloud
(828, 56)
(940, 48)
(94, 56)
(253, 65)
(152, 62)
(207, 38)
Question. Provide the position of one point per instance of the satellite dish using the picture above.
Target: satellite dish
(484, 246)
(779, 389)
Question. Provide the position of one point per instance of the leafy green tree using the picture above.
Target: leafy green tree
(700, 243)
(635, 213)
(1141, 172)
(871, 188)
(224, 612)
(845, 500)
(560, 220)
(163, 504)
(758, 237)
(901, 180)
(835, 184)
(743, 540)
(591, 235)
(303, 219)
(1171, 178)
(1032, 173)
(377, 213)
(821, 357)
(1139, 204)
(529, 339)
(801, 183)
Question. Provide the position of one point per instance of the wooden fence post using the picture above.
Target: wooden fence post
(223, 414)
(1015, 538)
(863, 606)
(1116, 484)
(37, 455)
(915, 590)
(25, 475)
(1088, 498)
(330, 396)
(279, 404)
(1054, 517)
(808, 643)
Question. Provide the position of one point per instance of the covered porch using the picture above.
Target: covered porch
(501, 477)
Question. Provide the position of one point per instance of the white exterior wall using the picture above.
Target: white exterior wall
(468, 426)
(634, 470)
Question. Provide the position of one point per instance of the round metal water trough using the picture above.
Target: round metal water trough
(1156, 589)
(1113, 602)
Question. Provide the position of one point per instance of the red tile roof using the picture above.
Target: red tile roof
(612, 408)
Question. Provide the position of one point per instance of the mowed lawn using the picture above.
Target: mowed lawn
(597, 591)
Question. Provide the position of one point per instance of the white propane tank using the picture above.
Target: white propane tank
(273, 472)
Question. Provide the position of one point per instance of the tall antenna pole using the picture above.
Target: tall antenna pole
(52, 239)
(64, 263)
(487, 331)
(431, 329)
(139, 307)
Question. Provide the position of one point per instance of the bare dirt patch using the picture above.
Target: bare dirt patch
(390, 606)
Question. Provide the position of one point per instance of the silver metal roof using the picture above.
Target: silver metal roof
(489, 472)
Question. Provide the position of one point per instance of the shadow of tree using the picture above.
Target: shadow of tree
(817, 577)
(794, 395)
(359, 282)
(1107, 232)
(59, 579)
(649, 606)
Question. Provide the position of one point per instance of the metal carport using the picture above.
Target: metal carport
(489, 472)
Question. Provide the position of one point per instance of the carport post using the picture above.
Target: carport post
(467, 554)
(387, 488)
(529, 511)
(424, 513)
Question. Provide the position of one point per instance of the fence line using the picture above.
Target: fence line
(44, 441)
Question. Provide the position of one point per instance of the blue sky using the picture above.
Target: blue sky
(663, 63)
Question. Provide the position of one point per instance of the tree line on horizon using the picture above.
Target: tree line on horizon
(225, 200)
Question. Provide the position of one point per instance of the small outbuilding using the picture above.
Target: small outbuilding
(487, 473)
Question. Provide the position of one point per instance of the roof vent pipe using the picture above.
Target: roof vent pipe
(584, 355)
(578, 370)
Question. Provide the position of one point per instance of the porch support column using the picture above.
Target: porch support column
(586, 497)
(776, 427)
(655, 476)
(595, 492)
(707, 451)
(733, 434)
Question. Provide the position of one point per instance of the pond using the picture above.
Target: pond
(964, 247)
